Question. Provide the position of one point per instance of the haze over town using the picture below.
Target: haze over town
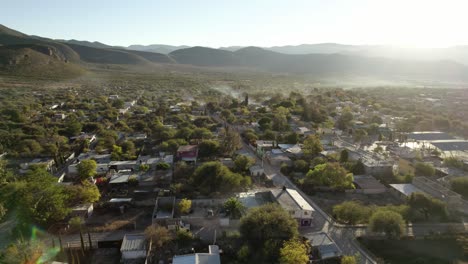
(289, 132)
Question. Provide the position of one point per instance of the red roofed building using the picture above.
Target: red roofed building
(187, 153)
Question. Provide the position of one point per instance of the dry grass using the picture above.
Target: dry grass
(116, 225)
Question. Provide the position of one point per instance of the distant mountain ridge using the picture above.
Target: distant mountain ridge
(158, 48)
(329, 65)
(20, 52)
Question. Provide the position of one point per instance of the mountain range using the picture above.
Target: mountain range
(26, 54)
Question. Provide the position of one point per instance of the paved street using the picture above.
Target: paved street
(343, 237)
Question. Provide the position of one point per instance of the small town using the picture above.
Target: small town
(182, 180)
(234, 132)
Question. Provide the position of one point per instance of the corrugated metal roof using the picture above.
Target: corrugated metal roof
(133, 243)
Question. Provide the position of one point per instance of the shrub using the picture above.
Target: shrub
(133, 181)
(163, 166)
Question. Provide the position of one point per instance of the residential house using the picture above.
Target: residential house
(256, 170)
(293, 202)
(187, 153)
(212, 257)
(277, 158)
(324, 248)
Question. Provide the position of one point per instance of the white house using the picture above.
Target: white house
(293, 202)
(212, 257)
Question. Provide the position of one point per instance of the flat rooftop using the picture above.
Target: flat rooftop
(406, 188)
(367, 182)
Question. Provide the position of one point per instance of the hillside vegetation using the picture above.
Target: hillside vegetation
(335, 66)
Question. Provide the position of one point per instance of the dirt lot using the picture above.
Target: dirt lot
(326, 200)
(110, 219)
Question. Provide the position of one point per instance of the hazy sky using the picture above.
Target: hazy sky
(243, 22)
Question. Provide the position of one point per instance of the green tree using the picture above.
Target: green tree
(212, 177)
(73, 127)
(421, 204)
(388, 222)
(3, 211)
(344, 121)
(264, 229)
(5, 174)
(242, 163)
(292, 138)
(358, 168)
(163, 166)
(208, 148)
(128, 149)
(265, 123)
(301, 166)
(184, 206)
(184, 237)
(312, 146)
(294, 252)
(424, 169)
(185, 133)
(75, 223)
(41, 199)
(344, 155)
(460, 185)
(359, 135)
(83, 193)
(230, 141)
(352, 212)
(117, 152)
(202, 133)
(330, 174)
(86, 169)
(234, 208)
(348, 260)
(23, 252)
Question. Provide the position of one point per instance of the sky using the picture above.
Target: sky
(215, 23)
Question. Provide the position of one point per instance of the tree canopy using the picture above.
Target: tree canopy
(331, 175)
(312, 146)
(352, 212)
(265, 228)
(388, 222)
(86, 169)
(425, 207)
(242, 163)
(184, 206)
(234, 208)
(424, 169)
(460, 185)
(41, 199)
(294, 252)
(213, 176)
